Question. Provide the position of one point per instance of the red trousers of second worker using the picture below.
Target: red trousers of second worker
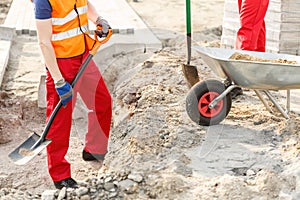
(97, 99)
(252, 34)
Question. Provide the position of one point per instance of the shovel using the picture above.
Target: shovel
(190, 72)
(35, 143)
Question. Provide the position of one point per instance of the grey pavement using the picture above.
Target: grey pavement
(130, 32)
(6, 37)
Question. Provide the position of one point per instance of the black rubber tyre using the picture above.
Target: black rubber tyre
(198, 99)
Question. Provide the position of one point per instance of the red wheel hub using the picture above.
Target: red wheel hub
(205, 100)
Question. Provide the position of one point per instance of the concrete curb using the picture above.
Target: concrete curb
(6, 37)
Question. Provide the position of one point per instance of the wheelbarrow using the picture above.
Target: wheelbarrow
(209, 102)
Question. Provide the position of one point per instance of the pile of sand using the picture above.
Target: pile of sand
(155, 150)
(240, 56)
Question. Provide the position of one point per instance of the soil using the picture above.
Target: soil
(239, 56)
(155, 150)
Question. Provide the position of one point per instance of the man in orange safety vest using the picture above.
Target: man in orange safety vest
(62, 29)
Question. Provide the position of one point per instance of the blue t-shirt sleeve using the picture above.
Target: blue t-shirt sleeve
(42, 9)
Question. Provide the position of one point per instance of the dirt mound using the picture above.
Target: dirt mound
(155, 150)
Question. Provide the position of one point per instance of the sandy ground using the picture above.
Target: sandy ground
(162, 154)
(170, 15)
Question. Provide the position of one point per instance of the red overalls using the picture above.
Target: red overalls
(71, 46)
(95, 95)
(252, 34)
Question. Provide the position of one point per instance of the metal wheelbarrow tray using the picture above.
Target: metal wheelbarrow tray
(209, 102)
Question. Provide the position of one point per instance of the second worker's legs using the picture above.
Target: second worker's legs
(252, 13)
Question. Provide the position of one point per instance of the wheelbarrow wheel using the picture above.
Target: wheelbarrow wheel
(200, 96)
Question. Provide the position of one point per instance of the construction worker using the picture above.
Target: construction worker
(252, 33)
(62, 30)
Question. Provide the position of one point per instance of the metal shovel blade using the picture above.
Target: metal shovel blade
(190, 73)
(23, 153)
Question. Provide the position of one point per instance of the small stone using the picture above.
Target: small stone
(93, 190)
(115, 182)
(108, 179)
(113, 194)
(168, 145)
(82, 191)
(48, 195)
(62, 193)
(126, 185)
(85, 197)
(135, 177)
(3, 95)
(108, 186)
(101, 194)
(250, 172)
(70, 190)
(130, 98)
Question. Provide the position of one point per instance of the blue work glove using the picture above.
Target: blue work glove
(105, 26)
(64, 91)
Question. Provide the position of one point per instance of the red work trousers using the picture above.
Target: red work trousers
(252, 33)
(97, 99)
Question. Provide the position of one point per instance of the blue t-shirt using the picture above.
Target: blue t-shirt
(42, 9)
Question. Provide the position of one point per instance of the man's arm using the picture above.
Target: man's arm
(97, 20)
(44, 33)
(92, 13)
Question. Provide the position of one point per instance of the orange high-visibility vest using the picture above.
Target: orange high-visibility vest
(70, 28)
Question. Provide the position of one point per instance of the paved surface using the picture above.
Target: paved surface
(130, 32)
(4, 55)
(128, 27)
(6, 37)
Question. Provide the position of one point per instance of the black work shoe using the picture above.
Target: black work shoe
(86, 156)
(68, 183)
(236, 92)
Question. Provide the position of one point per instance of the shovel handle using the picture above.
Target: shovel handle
(100, 42)
(92, 53)
(82, 68)
(188, 31)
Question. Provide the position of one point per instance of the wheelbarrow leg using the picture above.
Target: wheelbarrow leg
(280, 109)
(259, 95)
(288, 101)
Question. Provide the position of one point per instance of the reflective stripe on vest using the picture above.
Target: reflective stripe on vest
(70, 16)
(70, 33)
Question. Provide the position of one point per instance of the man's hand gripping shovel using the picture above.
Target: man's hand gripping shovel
(35, 143)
